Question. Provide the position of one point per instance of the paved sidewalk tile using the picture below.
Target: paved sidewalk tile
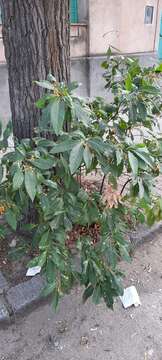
(4, 314)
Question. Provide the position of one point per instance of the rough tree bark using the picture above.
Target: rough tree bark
(36, 36)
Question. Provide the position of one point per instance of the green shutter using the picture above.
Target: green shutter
(73, 11)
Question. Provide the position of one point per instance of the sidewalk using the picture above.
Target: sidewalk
(87, 332)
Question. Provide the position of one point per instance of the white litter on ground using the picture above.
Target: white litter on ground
(130, 297)
(33, 271)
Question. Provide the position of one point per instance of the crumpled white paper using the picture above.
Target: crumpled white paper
(130, 297)
(33, 271)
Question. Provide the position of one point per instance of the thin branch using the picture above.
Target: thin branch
(102, 184)
(80, 176)
(127, 182)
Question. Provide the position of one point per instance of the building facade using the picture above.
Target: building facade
(129, 26)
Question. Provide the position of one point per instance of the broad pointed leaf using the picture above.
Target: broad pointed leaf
(128, 83)
(18, 179)
(87, 293)
(57, 115)
(133, 162)
(43, 164)
(145, 157)
(76, 157)
(63, 146)
(82, 112)
(87, 155)
(45, 84)
(11, 219)
(30, 183)
(141, 188)
(1, 173)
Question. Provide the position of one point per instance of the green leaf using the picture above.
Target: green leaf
(64, 146)
(87, 156)
(150, 217)
(48, 289)
(158, 68)
(51, 78)
(1, 173)
(55, 223)
(45, 84)
(104, 65)
(146, 157)
(7, 132)
(51, 184)
(55, 299)
(76, 157)
(150, 89)
(45, 118)
(133, 162)
(98, 145)
(18, 179)
(67, 223)
(132, 112)
(73, 85)
(128, 83)
(57, 115)
(44, 142)
(43, 164)
(30, 183)
(33, 262)
(109, 51)
(42, 259)
(11, 219)
(141, 188)
(82, 112)
(41, 103)
(142, 110)
(43, 241)
(125, 254)
(116, 284)
(96, 295)
(3, 232)
(119, 156)
(87, 293)
(16, 254)
(29, 227)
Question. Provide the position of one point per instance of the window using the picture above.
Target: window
(74, 11)
(149, 12)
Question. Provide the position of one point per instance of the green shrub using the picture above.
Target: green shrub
(44, 173)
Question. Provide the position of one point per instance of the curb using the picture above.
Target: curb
(19, 298)
(22, 297)
(144, 234)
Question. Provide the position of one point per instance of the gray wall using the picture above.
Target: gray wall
(83, 10)
(80, 73)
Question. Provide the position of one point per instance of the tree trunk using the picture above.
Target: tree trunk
(36, 35)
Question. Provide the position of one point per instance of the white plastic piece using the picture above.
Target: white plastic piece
(13, 243)
(130, 297)
(33, 271)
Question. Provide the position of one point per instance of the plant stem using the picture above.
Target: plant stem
(102, 184)
(125, 185)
